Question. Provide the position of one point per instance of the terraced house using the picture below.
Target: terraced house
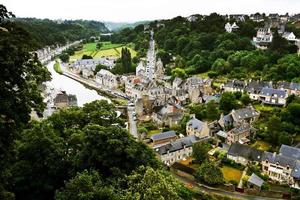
(283, 167)
(177, 150)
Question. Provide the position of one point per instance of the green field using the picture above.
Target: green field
(107, 50)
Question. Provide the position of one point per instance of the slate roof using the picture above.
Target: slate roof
(179, 144)
(295, 86)
(245, 151)
(284, 161)
(241, 128)
(272, 92)
(195, 124)
(235, 84)
(280, 159)
(289, 151)
(222, 134)
(245, 113)
(227, 120)
(255, 180)
(164, 135)
(256, 86)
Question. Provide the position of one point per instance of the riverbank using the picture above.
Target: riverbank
(57, 67)
(88, 84)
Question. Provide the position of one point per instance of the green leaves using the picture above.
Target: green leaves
(209, 173)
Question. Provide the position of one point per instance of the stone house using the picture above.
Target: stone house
(234, 86)
(240, 134)
(196, 127)
(273, 96)
(253, 88)
(167, 115)
(164, 137)
(283, 167)
(236, 117)
(290, 88)
(107, 79)
(63, 100)
(244, 154)
(177, 150)
(87, 72)
(92, 63)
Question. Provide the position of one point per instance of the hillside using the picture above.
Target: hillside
(116, 26)
(48, 32)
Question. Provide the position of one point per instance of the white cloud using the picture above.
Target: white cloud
(135, 10)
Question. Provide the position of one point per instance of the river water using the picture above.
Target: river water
(61, 82)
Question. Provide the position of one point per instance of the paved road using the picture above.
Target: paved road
(132, 123)
(209, 190)
(150, 67)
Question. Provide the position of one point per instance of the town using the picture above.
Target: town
(160, 112)
(222, 120)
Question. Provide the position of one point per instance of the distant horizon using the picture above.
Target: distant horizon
(131, 11)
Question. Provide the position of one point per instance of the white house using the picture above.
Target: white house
(107, 79)
(290, 36)
(230, 28)
(263, 37)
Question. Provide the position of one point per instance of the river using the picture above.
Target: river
(61, 82)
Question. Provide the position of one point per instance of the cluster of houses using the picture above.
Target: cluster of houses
(282, 167)
(264, 37)
(164, 101)
(262, 91)
(87, 66)
(48, 53)
(229, 129)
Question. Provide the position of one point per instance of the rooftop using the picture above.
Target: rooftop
(255, 180)
(245, 151)
(164, 135)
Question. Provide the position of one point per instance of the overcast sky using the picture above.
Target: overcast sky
(136, 10)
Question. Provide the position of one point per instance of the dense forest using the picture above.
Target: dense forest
(202, 45)
(46, 32)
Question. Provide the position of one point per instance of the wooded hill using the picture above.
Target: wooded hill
(46, 32)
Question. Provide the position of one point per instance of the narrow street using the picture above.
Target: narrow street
(132, 122)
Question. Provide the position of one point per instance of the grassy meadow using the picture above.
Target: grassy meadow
(107, 50)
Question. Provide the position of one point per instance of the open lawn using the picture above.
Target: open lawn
(105, 45)
(263, 108)
(261, 145)
(107, 50)
(231, 174)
